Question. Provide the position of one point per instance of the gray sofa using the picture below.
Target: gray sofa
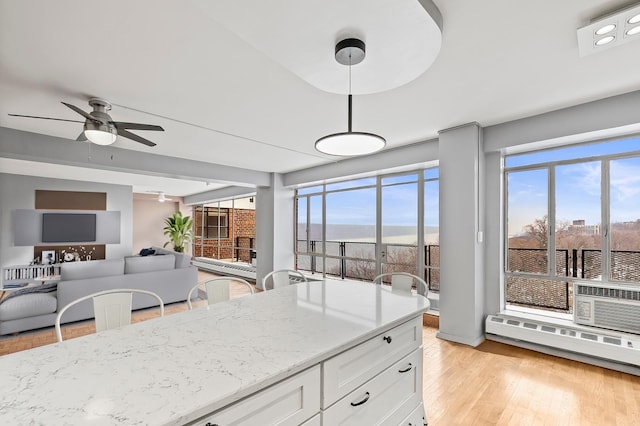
(167, 273)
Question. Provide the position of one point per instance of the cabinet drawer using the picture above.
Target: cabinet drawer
(348, 370)
(315, 421)
(290, 402)
(386, 400)
(416, 418)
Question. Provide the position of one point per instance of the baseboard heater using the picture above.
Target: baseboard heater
(235, 269)
(226, 268)
(603, 344)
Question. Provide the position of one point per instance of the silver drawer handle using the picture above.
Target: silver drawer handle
(366, 398)
(406, 369)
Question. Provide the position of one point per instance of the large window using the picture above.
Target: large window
(215, 224)
(360, 228)
(572, 213)
(226, 230)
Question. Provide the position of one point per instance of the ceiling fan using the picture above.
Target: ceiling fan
(161, 196)
(99, 128)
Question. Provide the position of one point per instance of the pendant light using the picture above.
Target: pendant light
(350, 52)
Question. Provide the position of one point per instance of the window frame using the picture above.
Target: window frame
(605, 215)
(303, 194)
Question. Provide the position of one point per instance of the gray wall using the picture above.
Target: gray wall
(27, 226)
(19, 192)
(461, 249)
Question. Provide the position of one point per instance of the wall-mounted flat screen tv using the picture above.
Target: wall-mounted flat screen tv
(68, 227)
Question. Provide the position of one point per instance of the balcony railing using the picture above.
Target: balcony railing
(355, 260)
(523, 288)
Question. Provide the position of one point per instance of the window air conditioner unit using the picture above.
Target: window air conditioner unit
(607, 306)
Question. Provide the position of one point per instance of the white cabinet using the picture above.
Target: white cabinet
(314, 421)
(415, 418)
(377, 382)
(386, 399)
(350, 369)
(290, 402)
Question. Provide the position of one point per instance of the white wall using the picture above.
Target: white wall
(19, 192)
(274, 228)
(148, 221)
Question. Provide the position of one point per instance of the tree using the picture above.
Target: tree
(539, 231)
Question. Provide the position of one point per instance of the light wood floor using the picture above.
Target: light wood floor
(498, 384)
(493, 384)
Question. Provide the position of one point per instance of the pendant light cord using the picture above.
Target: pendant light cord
(349, 97)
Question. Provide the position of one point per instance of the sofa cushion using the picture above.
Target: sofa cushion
(182, 260)
(140, 264)
(91, 269)
(28, 305)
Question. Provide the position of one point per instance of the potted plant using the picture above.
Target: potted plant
(179, 230)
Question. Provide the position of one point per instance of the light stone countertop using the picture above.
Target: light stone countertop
(172, 370)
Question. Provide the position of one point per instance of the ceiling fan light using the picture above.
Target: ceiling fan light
(348, 144)
(100, 137)
(100, 134)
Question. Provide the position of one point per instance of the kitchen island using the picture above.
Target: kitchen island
(316, 349)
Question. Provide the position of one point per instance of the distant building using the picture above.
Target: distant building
(578, 227)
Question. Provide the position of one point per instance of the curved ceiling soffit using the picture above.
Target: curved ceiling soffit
(403, 38)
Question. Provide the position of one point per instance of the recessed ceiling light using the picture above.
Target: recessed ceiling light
(633, 31)
(605, 40)
(605, 29)
(610, 30)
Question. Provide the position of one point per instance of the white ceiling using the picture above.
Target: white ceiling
(230, 81)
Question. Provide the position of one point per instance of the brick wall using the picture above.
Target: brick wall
(242, 226)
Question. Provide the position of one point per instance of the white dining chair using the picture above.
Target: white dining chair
(111, 308)
(218, 289)
(283, 277)
(403, 281)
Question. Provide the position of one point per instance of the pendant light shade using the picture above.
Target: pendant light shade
(349, 52)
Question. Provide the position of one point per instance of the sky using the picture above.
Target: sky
(578, 191)
(358, 206)
(578, 186)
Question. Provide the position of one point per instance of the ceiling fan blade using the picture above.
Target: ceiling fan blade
(82, 113)
(45, 118)
(129, 135)
(136, 126)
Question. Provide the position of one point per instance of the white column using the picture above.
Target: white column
(461, 248)
(274, 228)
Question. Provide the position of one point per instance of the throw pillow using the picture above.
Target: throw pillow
(147, 251)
